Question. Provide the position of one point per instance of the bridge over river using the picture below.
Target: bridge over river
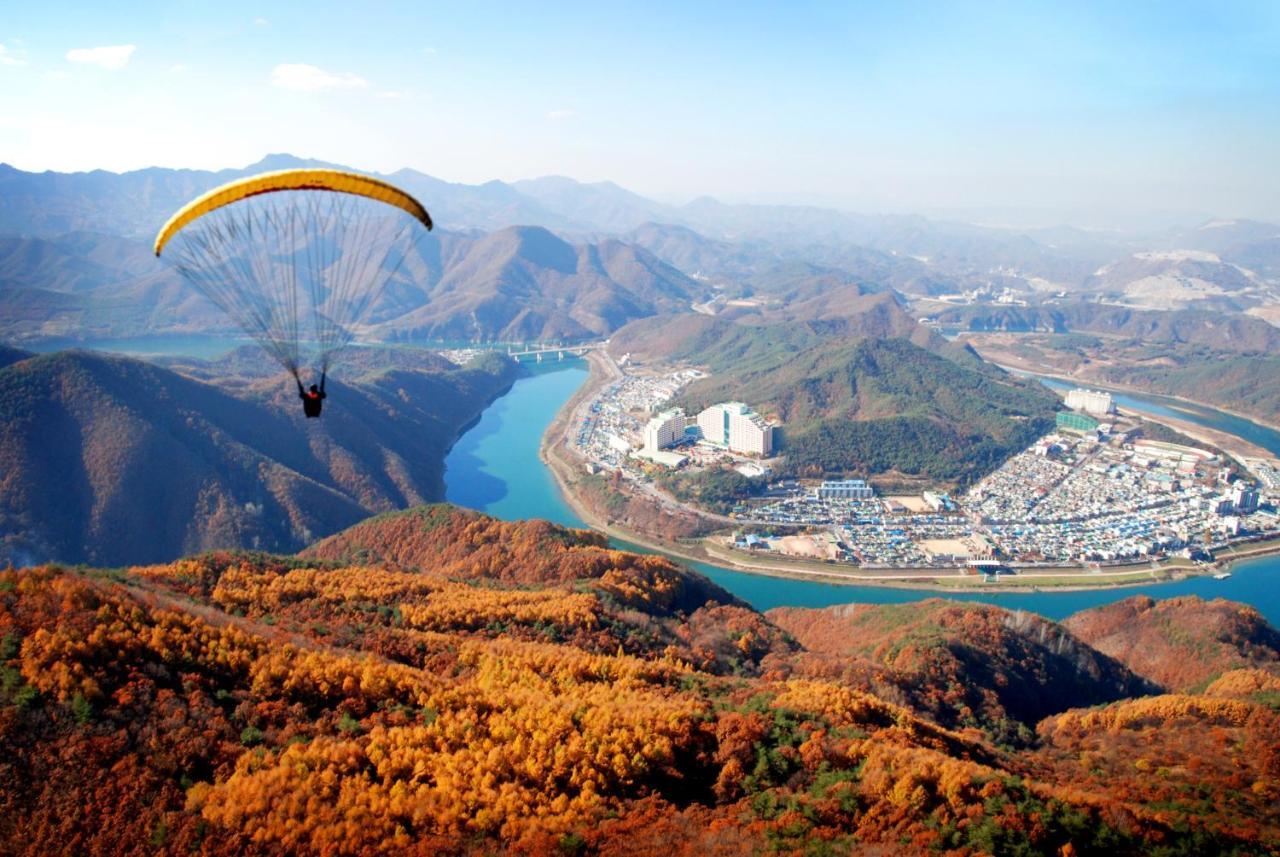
(538, 352)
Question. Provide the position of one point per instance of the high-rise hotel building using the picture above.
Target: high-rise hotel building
(736, 426)
(665, 429)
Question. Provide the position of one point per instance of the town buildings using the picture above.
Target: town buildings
(1078, 497)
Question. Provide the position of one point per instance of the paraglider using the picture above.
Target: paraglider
(313, 399)
(296, 258)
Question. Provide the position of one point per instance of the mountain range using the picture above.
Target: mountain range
(742, 249)
(516, 284)
(1218, 330)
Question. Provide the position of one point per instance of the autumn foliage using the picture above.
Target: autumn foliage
(1180, 643)
(965, 664)
(249, 704)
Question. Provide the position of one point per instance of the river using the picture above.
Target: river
(1167, 406)
(494, 467)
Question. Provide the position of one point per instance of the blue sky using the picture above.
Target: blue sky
(1026, 111)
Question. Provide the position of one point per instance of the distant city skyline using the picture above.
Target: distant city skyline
(1090, 114)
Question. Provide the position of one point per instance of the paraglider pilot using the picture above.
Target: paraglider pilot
(313, 399)
(227, 244)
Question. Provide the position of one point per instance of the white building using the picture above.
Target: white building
(736, 426)
(664, 430)
(1221, 505)
(845, 489)
(1091, 402)
(1244, 499)
(937, 502)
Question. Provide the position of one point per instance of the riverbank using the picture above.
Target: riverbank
(939, 580)
(1023, 579)
(1230, 444)
(1018, 367)
(567, 470)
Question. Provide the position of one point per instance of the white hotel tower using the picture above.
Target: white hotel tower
(664, 429)
(1091, 402)
(736, 426)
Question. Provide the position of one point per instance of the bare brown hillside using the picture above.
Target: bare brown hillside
(111, 460)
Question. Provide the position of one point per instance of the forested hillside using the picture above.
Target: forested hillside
(525, 284)
(251, 704)
(965, 664)
(111, 460)
(874, 393)
(1222, 331)
(891, 407)
(1181, 643)
(1249, 384)
(1231, 372)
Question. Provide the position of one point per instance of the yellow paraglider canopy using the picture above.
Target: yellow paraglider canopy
(338, 181)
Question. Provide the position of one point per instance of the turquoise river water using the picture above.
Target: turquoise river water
(495, 467)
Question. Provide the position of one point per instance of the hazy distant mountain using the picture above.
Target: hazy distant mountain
(56, 264)
(1251, 244)
(524, 283)
(602, 205)
(758, 267)
(134, 204)
(742, 249)
(1228, 332)
(111, 460)
(699, 255)
(516, 283)
(87, 284)
(488, 206)
(961, 250)
(1177, 278)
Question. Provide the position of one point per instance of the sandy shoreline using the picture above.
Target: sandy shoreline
(565, 469)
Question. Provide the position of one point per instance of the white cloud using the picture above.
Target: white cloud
(429, 52)
(111, 57)
(391, 94)
(301, 77)
(562, 113)
(261, 22)
(7, 58)
(178, 68)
